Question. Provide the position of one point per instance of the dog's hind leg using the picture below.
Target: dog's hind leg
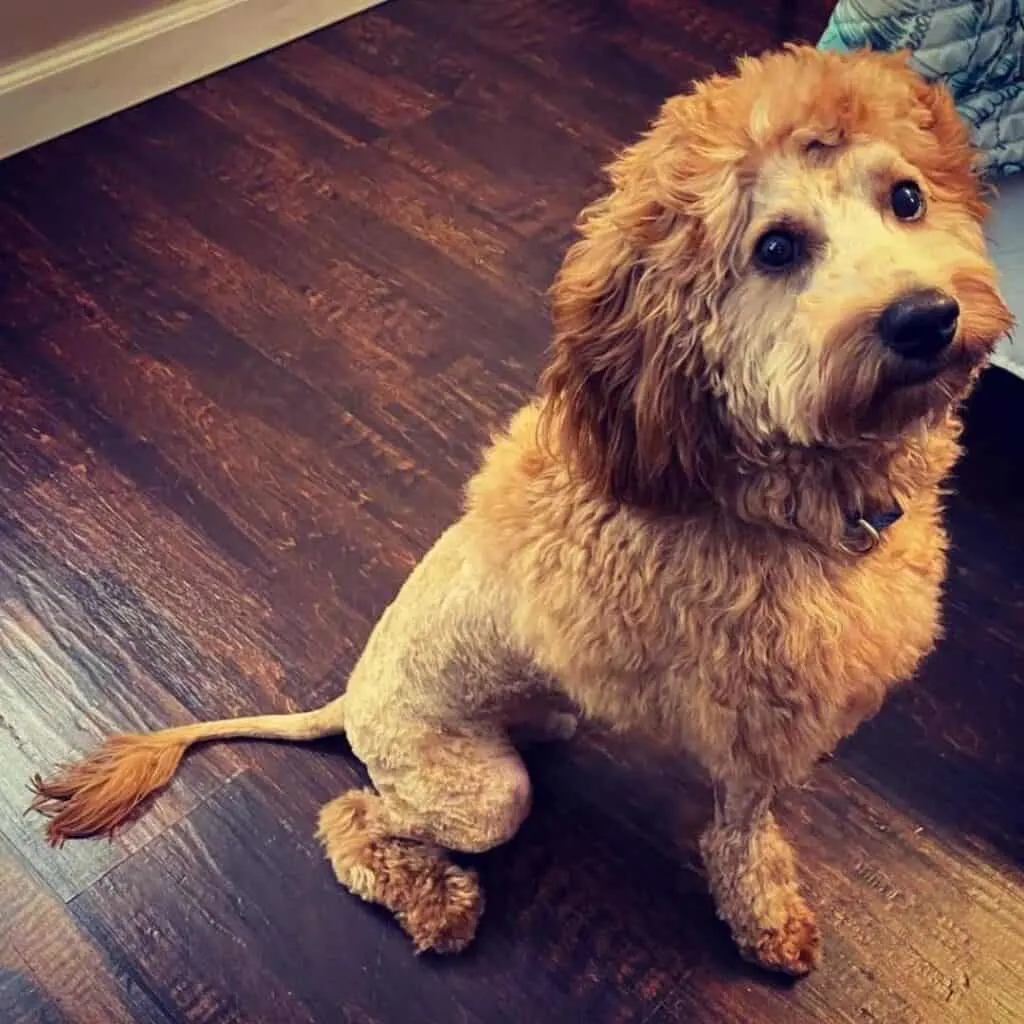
(462, 793)
(753, 879)
(428, 711)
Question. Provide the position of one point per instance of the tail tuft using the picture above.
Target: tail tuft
(101, 792)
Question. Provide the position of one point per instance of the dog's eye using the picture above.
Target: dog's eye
(777, 250)
(907, 200)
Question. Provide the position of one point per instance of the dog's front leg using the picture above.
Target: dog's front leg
(753, 879)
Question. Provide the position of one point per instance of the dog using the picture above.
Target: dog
(717, 526)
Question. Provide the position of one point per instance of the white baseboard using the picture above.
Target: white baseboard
(51, 93)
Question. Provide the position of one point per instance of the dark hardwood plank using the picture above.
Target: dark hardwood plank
(82, 650)
(252, 335)
(49, 969)
(21, 1000)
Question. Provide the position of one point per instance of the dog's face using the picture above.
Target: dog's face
(791, 256)
(862, 295)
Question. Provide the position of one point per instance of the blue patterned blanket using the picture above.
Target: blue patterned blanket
(975, 46)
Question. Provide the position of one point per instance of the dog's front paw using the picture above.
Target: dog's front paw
(793, 948)
(442, 917)
(753, 879)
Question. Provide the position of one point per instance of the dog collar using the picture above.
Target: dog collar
(864, 533)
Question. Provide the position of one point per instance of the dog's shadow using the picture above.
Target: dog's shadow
(946, 748)
(955, 770)
(603, 885)
(606, 872)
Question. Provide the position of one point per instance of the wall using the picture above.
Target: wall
(30, 26)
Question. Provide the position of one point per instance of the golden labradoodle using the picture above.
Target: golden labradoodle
(718, 527)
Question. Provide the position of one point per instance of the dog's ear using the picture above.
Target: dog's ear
(948, 159)
(625, 392)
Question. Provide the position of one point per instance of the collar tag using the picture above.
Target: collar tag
(864, 533)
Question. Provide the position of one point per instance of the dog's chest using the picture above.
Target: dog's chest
(788, 654)
(804, 654)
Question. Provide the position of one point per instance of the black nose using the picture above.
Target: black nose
(920, 324)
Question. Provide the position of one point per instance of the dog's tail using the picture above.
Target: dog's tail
(100, 792)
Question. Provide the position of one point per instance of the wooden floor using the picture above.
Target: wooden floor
(252, 336)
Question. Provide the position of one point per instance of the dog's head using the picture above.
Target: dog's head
(792, 256)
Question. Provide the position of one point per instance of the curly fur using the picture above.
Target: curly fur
(659, 538)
